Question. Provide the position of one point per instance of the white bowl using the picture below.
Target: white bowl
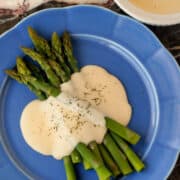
(147, 17)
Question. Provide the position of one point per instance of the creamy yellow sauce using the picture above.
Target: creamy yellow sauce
(158, 6)
(55, 126)
(102, 90)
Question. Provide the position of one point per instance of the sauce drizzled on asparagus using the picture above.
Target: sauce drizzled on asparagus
(78, 111)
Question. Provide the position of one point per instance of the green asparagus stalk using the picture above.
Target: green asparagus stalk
(131, 155)
(69, 51)
(57, 49)
(75, 156)
(86, 164)
(109, 161)
(24, 70)
(95, 149)
(21, 67)
(36, 71)
(43, 86)
(69, 168)
(53, 78)
(124, 132)
(40, 43)
(31, 81)
(40, 95)
(117, 155)
(59, 71)
(86, 153)
(14, 74)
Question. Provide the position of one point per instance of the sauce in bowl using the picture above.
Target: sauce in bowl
(158, 6)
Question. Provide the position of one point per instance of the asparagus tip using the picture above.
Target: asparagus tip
(31, 31)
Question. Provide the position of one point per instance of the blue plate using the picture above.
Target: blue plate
(126, 49)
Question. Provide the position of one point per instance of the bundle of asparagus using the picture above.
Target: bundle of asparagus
(56, 64)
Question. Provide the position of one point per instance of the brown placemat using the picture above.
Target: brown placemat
(169, 36)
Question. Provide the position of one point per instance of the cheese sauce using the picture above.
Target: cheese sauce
(158, 6)
(55, 126)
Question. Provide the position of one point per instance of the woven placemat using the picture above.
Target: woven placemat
(169, 36)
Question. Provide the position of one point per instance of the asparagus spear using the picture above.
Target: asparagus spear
(95, 149)
(131, 155)
(75, 156)
(27, 78)
(40, 43)
(109, 161)
(86, 164)
(70, 172)
(24, 70)
(44, 65)
(31, 81)
(69, 51)
(43, 47)
(57, 49)
(117, 155)
(86, 153)
(21, 67)
(124, 132)
(36, 71)
(59, 71)
(14, 74)
(40, 95)
(43, 86)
